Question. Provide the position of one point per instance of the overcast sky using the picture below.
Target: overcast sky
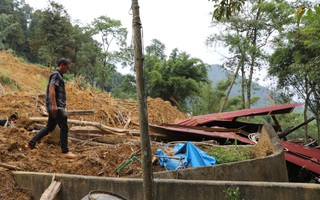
(182, 24)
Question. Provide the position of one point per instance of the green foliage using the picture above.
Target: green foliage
(14, 16)
(156, 50)
(209, 100)
(175, 79)
(291, 120)
(246, 36)
(124, 87)
(232, 194)
(296, 60)
(4, 80)
(113, 36)
(226, 8)
(51, 31)
(68, 77)
(227, 154)
(43, 83)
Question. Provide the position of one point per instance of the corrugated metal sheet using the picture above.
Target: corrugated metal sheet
(305, 157)
(271, 110)
(196, 133)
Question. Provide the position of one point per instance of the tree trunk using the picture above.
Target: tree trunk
(243, 85)
(229, 89)
(305, 112)
(143, 111)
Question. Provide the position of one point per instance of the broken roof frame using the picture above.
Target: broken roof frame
(203, 127)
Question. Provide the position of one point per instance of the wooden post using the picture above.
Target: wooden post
(142, 105)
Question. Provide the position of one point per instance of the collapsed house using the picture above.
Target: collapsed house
(224, 127)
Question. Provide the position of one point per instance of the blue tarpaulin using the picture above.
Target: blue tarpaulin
(186, 155)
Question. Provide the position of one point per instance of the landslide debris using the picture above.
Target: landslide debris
(23, 97)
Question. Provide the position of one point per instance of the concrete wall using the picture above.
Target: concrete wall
(261, 178)
(269, 165)
(76, 187)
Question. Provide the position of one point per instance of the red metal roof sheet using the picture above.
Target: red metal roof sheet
(271, 110)
(306, 157)
(189, 132)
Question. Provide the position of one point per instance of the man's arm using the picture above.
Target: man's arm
(52, 96)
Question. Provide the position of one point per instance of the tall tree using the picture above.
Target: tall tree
(7, 27)
(296, 63)
(87, 54)
(51, 31)
(246, 35)
(14, 26)
(114, 46)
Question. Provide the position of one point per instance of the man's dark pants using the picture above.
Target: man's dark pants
(62, 120)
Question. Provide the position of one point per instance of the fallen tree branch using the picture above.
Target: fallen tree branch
(9, 166)
(103, 127)
(80, 112)
(89, 142)
(86, 129)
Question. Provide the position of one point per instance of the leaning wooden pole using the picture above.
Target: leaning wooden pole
(142, 105)
(229, 90)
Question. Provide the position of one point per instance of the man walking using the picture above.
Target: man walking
(56, 105)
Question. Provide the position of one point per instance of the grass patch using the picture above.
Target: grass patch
(43, 83)
(227, 154)
(5, 72)
(3, 63)
(4, 80)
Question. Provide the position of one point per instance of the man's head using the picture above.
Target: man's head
(63, 65)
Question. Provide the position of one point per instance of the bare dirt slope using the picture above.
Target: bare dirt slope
(22, 93)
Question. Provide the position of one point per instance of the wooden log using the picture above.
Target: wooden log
(80, 112)
(44, 112)
(103, 127)
(9, 166)
(51, 192)
(38, 126)
(152, 134)
(113, 140)
(84, 136)
(86, 129)
(90, 143)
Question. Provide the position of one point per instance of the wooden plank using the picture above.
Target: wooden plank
(51, 192)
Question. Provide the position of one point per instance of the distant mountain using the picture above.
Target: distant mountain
(218, 73)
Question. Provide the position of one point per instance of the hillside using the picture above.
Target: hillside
(217, 74)
(22, 94)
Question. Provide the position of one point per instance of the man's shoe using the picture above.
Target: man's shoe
(28, 146)
(68, 155)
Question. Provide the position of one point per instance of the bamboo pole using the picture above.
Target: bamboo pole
(142, 105)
